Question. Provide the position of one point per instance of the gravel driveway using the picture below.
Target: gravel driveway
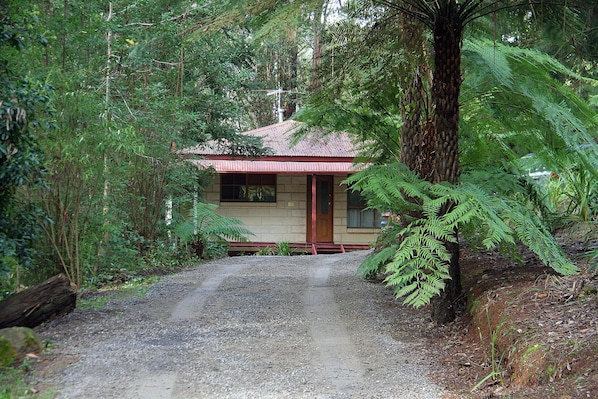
(246, 327)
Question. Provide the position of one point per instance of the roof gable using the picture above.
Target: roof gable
(316, 154)
(278, 138)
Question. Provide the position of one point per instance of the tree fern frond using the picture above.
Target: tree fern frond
(495, 62)
(521, 92)
(534, 235)
(499, 211)
(376, 263)
(204, 224)
(390, 187)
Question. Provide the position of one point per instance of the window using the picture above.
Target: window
(247, 188)
(358, 215)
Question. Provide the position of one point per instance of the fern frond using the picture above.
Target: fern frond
(376, 263)
(418, 267)
(534, 235)
(391, 186)
(420, 264)
(205, 225)
(523, 104)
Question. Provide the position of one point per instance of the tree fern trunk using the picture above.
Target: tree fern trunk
(417, 131)
(446, 86)
(414, 105)
(448, 30)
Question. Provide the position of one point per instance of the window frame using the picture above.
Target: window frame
(248, 183)
(376, 222)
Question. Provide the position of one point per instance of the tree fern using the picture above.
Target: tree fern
(419, 267)
(205, 225)
(520, 100)
(417, 261)
(375, 264)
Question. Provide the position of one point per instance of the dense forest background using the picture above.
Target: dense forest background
(110, 91)
(96, 97)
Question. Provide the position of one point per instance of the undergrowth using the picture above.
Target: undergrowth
(14, 383)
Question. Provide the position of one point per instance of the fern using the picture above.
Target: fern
(376, 263)
(205, 225)
(386, 191)
(517, 100)
(418, 266)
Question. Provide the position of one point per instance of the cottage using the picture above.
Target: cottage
(294, 194)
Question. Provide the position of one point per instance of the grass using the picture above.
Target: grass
(14, 384)
(135, 288)
(495, 361)
(14, 380)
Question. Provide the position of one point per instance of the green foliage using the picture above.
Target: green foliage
(507, 115)
(281, 249)
(10, 276)
(204, 226)
(417, 264)
(24, 108)
(134, 287)
(375, 264)
(128, 92)
(15, 384)
(284, 249)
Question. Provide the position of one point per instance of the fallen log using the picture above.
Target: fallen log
(35, 305)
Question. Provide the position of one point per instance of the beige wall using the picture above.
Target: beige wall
(286, 220)
(343, 234)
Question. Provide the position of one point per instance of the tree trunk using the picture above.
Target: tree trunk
(445, 305)
(33, 306)
(316, 61)
(446, 85)
(417, 133)
(290, 106)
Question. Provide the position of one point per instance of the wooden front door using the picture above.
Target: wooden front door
(324, 189)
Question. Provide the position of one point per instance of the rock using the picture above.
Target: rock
(16, 343)
(7, 353)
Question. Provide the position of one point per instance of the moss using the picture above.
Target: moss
(8, 354)
(21, 339)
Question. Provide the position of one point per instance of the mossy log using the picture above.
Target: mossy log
(35, 305)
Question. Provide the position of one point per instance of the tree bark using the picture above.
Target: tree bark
(29, 308)
(445, 305)
(316, 61)
(446, 85)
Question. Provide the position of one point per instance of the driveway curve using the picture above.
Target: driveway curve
(245, 327)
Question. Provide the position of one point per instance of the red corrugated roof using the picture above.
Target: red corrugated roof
(278, 137)
(245, 166)
(330, 154)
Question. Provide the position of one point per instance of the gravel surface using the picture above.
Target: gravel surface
(246, 327)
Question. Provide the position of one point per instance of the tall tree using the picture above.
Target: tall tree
(24, 110)
(166, 89)
(367, 108)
